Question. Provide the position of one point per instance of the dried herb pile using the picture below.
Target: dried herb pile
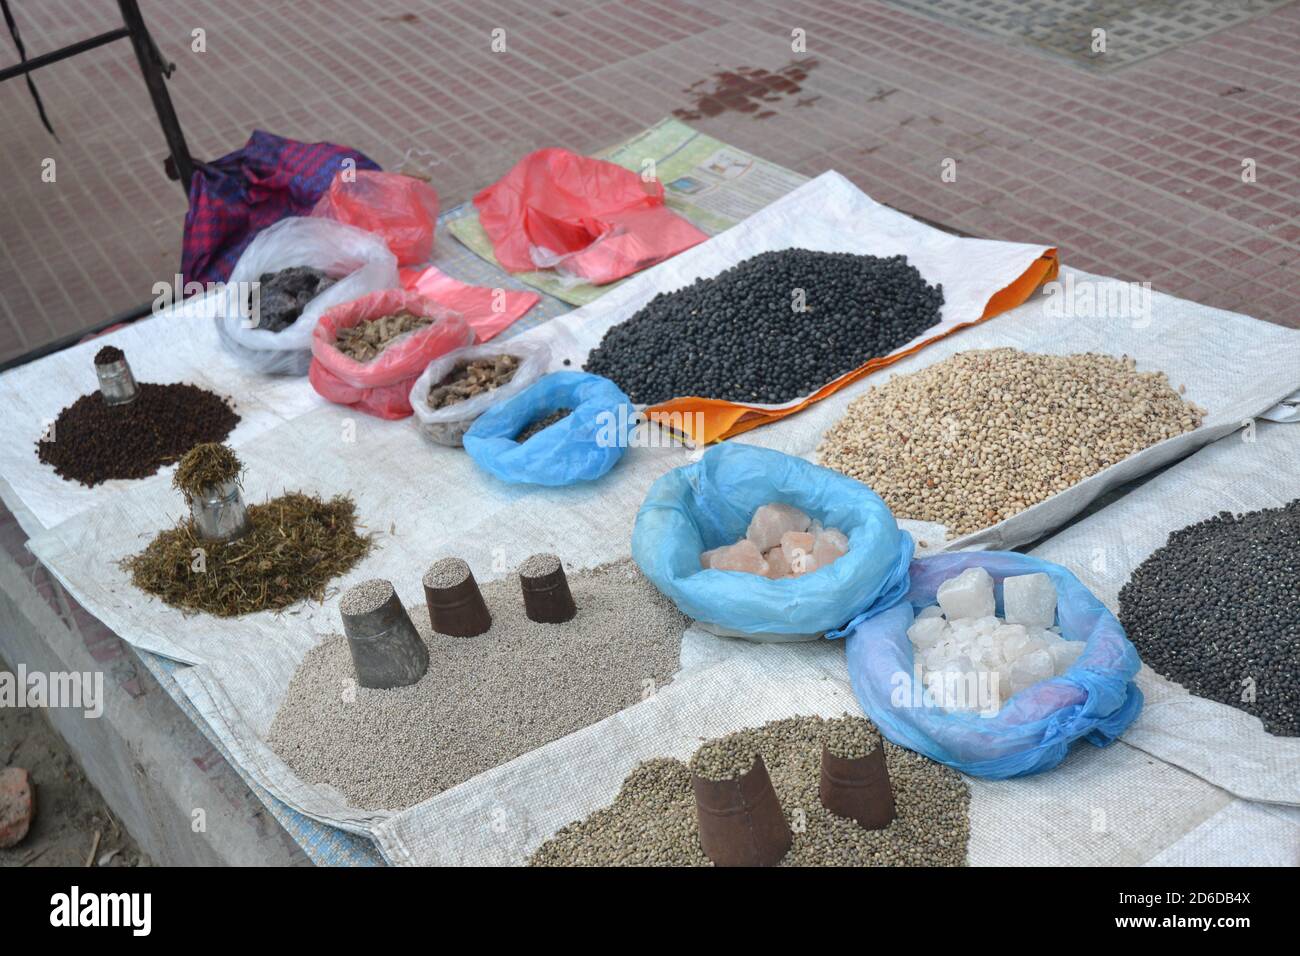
(297, 545)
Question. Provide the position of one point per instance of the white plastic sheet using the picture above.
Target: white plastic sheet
(1252, 469)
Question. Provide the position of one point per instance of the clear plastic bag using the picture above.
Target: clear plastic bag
(1095, 700)
(582, 446)
(447, 426)
(710, 502)
(401, 210)
(358, 260)
(382, 386)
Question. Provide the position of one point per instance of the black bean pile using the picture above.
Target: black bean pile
(283, 295)
(1217, 609)
(768, 330)
(92, 441)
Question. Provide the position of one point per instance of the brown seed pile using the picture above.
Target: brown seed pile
(472, 377)
(545, 422)
(92, 441)
(652, 821)
(296, 545)
(982, 435)
(365, 340)
(484, 700)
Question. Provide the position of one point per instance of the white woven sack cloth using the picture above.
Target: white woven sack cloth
(1257, 467)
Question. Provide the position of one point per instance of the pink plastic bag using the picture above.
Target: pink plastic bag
(488, 311)
(584, 216)
(401, 209)
(382, 386)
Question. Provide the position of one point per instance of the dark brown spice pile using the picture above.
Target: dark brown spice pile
(297, 545)
(108, 355)
(92, 441)
(533, 428)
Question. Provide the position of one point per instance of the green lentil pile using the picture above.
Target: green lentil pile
(652, 821)
(1217, 609)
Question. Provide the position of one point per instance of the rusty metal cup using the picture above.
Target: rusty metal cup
(858, 788)
(547, 598)
(458, 610)
(741, 822)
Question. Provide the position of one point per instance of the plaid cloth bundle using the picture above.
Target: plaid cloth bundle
(237, 196)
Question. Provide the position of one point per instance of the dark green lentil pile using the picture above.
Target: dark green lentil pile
(652, 821)
(1217, 609)
(768, 330)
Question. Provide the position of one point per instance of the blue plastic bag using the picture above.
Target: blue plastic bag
(580, 447)
(1095, 700)
(709, 503)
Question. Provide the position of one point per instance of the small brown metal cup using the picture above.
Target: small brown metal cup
(547, 598)
(459, 610)
(741, 821)
(386, 648)
(858, 788)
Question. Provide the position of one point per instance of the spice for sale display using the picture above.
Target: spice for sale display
(781, 542)
(653, 822)
(545, 422)
(472, 377)
(773, 328)
(1217, 609)
(92, 441)
(364, 341)
(983, 435)
(296, 545)
(108, 355)
(484, 699)
(281, 296)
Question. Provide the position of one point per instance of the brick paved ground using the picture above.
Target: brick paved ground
(1134, 173)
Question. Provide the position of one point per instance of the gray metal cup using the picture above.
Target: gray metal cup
(386, 649)
(116, 383)
(219, 513)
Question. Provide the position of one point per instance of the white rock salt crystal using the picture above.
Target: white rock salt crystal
(986, 625)
(772, 521)
(968, 595)
(1065, 654)
(1029, 599)
(1031, 668)
(927, 632)
(932, 611)
(1012, 638)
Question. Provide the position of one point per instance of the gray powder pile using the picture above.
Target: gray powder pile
(485, 700)
(446, 573)
(365, 597)
(652, 821)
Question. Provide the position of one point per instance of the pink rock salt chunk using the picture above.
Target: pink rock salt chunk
(831, 545)
(802, 562)
(797, 547)
(772, 521)
(741, 556)
(777, 565)
(706, 558)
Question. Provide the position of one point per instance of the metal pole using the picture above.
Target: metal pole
(154, 69)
